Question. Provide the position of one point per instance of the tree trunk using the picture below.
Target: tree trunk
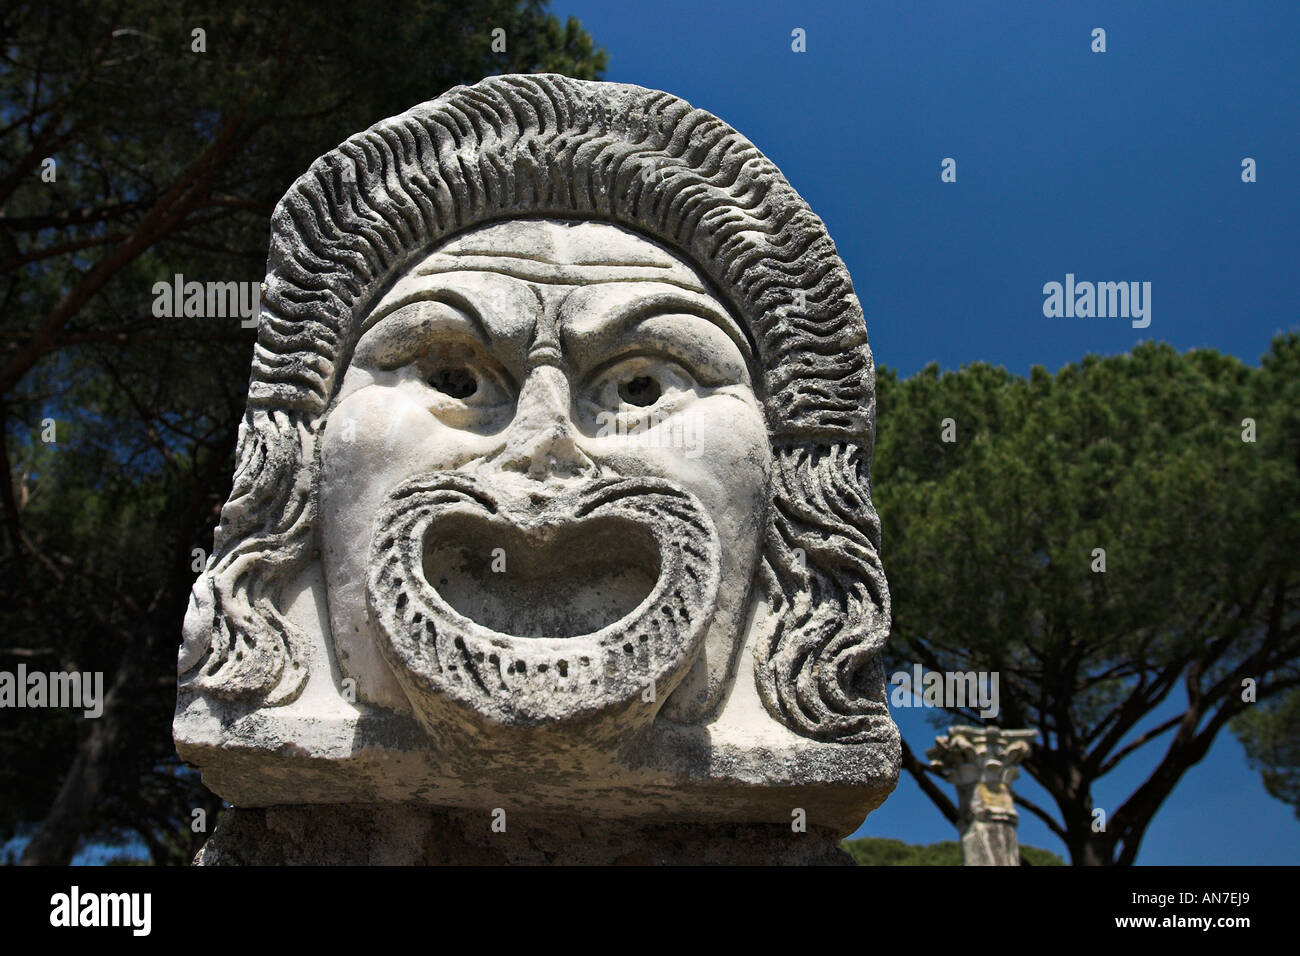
(56, 841)
(1091, 849)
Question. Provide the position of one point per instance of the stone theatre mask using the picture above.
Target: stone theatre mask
(557, 448)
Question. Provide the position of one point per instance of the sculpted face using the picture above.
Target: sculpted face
(544, 484)
(535, 512)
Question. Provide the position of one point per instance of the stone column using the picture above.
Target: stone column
(982, 763)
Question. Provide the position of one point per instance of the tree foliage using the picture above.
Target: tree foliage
(991, 544)
(1271, 736)
(170, 148)
(878, 851)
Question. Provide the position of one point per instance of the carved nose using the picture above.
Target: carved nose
(540, 442)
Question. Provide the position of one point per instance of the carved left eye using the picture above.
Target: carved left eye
(641, 383)
(642, 390)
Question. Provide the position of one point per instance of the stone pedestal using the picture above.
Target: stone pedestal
(388, 835)
(981, 762)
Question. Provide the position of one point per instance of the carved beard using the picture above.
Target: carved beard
(533, 612)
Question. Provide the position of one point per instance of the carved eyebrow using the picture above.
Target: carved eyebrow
(623, 317)
(446, 296)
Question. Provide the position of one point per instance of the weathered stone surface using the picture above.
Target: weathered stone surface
(982, 762)
(390, 835)
(553, 489)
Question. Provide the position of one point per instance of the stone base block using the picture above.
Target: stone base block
(397, 835)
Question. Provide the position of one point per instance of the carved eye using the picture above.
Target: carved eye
(467, 381)
(458, 381)
(640, 384)
(641, 390)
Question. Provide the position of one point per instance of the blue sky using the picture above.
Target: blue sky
(1115, 166)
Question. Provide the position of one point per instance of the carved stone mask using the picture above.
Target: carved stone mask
(554, 482)
(544, 481)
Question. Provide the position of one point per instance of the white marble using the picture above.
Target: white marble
(553, 487)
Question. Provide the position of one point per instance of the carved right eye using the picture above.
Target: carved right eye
(464, 382)
(469, 382)
(456, 380)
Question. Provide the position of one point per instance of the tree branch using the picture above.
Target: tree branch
(1127, 749)
(1041, 814)
(921, 774)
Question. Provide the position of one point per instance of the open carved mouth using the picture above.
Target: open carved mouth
(556, 581)
(537, 613)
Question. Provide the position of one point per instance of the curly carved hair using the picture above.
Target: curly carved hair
(551, 146)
